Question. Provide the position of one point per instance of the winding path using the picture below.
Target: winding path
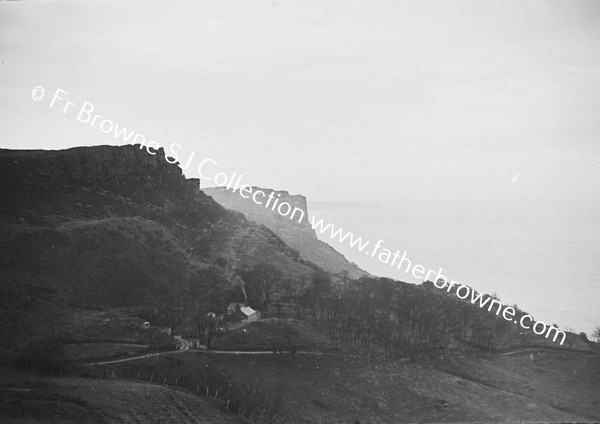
(182, 346)
(547, 349)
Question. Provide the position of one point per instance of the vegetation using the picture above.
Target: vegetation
(94, 242)
(38, 398)
(596, 334)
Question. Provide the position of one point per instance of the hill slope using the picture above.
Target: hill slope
(34, 399)
(298, 235)
(106, 226)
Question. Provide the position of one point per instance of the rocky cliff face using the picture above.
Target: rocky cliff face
(87, 182)
(298, 235)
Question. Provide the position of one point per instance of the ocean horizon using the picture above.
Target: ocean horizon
(541, 255)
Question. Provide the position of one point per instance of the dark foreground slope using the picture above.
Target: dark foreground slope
(104, 227)
(342, 387)
(298, 235)
(30, 398)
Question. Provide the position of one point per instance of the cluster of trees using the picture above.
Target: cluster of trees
(260, 283)
(199, 301)
(397, 316)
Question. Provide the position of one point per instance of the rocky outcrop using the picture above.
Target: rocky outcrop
(98, 166)
(295, 232)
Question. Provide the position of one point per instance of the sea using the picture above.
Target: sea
(542, 255)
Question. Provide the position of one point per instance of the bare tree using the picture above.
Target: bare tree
(596, 334)
(275, 411)
(293, 291)
(261, 281)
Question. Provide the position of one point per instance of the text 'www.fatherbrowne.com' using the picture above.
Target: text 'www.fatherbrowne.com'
(401, 261)
(86, 114)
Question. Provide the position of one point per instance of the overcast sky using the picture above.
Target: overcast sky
(337, 100)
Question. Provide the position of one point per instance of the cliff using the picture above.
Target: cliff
(298, 235)
(104, 226)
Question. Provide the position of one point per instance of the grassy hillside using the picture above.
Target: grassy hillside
(29, 398)
(298, 235)
(267, 334)
(344, 388)
(567, 380)
(103, 227)
(94, 241)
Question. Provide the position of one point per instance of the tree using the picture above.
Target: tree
(260, 282)
(172, 304)
(174, 314)
(293, 290)
(211, 295)
(315, 297)
(596, 334)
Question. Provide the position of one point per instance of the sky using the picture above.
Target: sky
(337, 100)
(341, 101)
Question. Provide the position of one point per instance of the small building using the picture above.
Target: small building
(241, 312)
(250, 314)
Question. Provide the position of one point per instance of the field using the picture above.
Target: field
(325, 381)
(569, 381)
(330, 388)
(329, 381)
(89, 351)
(266, 334)
(29, 398)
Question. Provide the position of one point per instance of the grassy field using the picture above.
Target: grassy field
(341, 384)
(27, 398)
(567, 380)
(80, 326)
(383, 391)
(333, 389)
(97, 351)
(267, 334)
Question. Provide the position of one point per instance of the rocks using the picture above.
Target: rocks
(299, 235)
(97, 167)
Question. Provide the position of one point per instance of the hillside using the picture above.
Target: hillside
(95, 241)
(341, 387)
(298, 235)
(30, 398)
(98, 227)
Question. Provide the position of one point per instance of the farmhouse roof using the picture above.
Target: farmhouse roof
(247, 310)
